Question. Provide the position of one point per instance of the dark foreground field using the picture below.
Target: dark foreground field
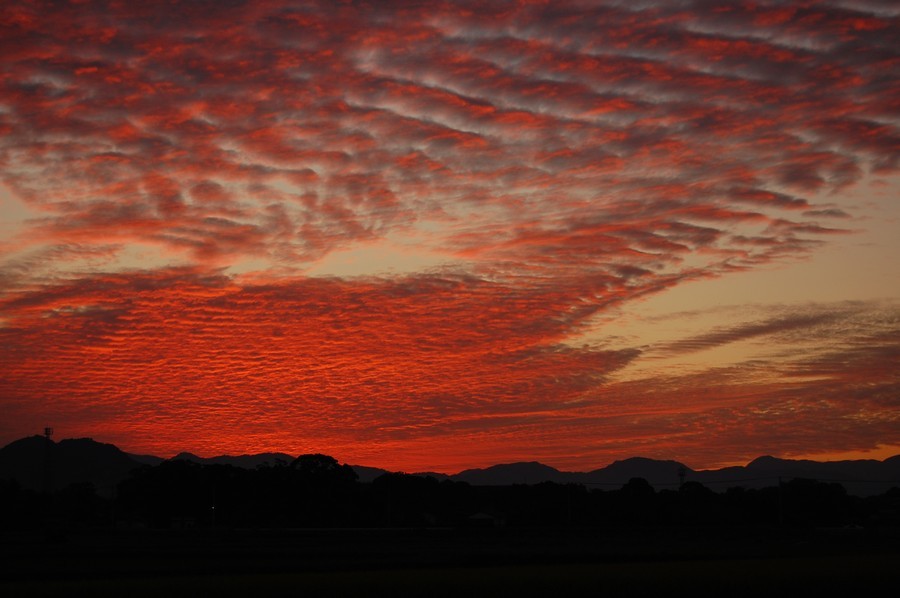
(445, 562)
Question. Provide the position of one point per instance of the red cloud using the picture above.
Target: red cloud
(326, 359)
(568, 158)
(571, 101)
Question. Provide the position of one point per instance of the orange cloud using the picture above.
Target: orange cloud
(566, 159)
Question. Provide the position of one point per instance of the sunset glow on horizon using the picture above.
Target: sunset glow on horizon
(434, 236)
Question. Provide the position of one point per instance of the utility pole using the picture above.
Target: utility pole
(48, 469)
(780, 502)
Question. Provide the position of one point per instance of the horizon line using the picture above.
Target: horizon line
(881, 448)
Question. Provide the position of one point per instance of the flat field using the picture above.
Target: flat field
(445, 562)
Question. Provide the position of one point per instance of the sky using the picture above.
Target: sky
(440, 235)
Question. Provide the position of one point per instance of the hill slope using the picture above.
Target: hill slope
(39, 463)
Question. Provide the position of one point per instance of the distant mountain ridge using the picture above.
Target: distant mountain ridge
(85, 460)
(41, 464)
(246, 461)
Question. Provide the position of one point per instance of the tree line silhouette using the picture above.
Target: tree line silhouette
(316, 491)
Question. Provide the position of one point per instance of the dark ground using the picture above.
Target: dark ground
(451, 562)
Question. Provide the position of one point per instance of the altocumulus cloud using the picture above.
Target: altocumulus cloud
(563, 158)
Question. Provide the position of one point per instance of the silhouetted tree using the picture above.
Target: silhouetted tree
(637, 488)
(636, 502)
(810, 502)
(326, 490)
(317, 491)
(408, 500)
(322, 469)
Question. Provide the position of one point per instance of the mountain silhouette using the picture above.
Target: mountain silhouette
(506, 474)
(146, 459)
(244, 461)
(806, 468)
(862, 477)
(39, 463)
(658, 473)
(368, 474)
